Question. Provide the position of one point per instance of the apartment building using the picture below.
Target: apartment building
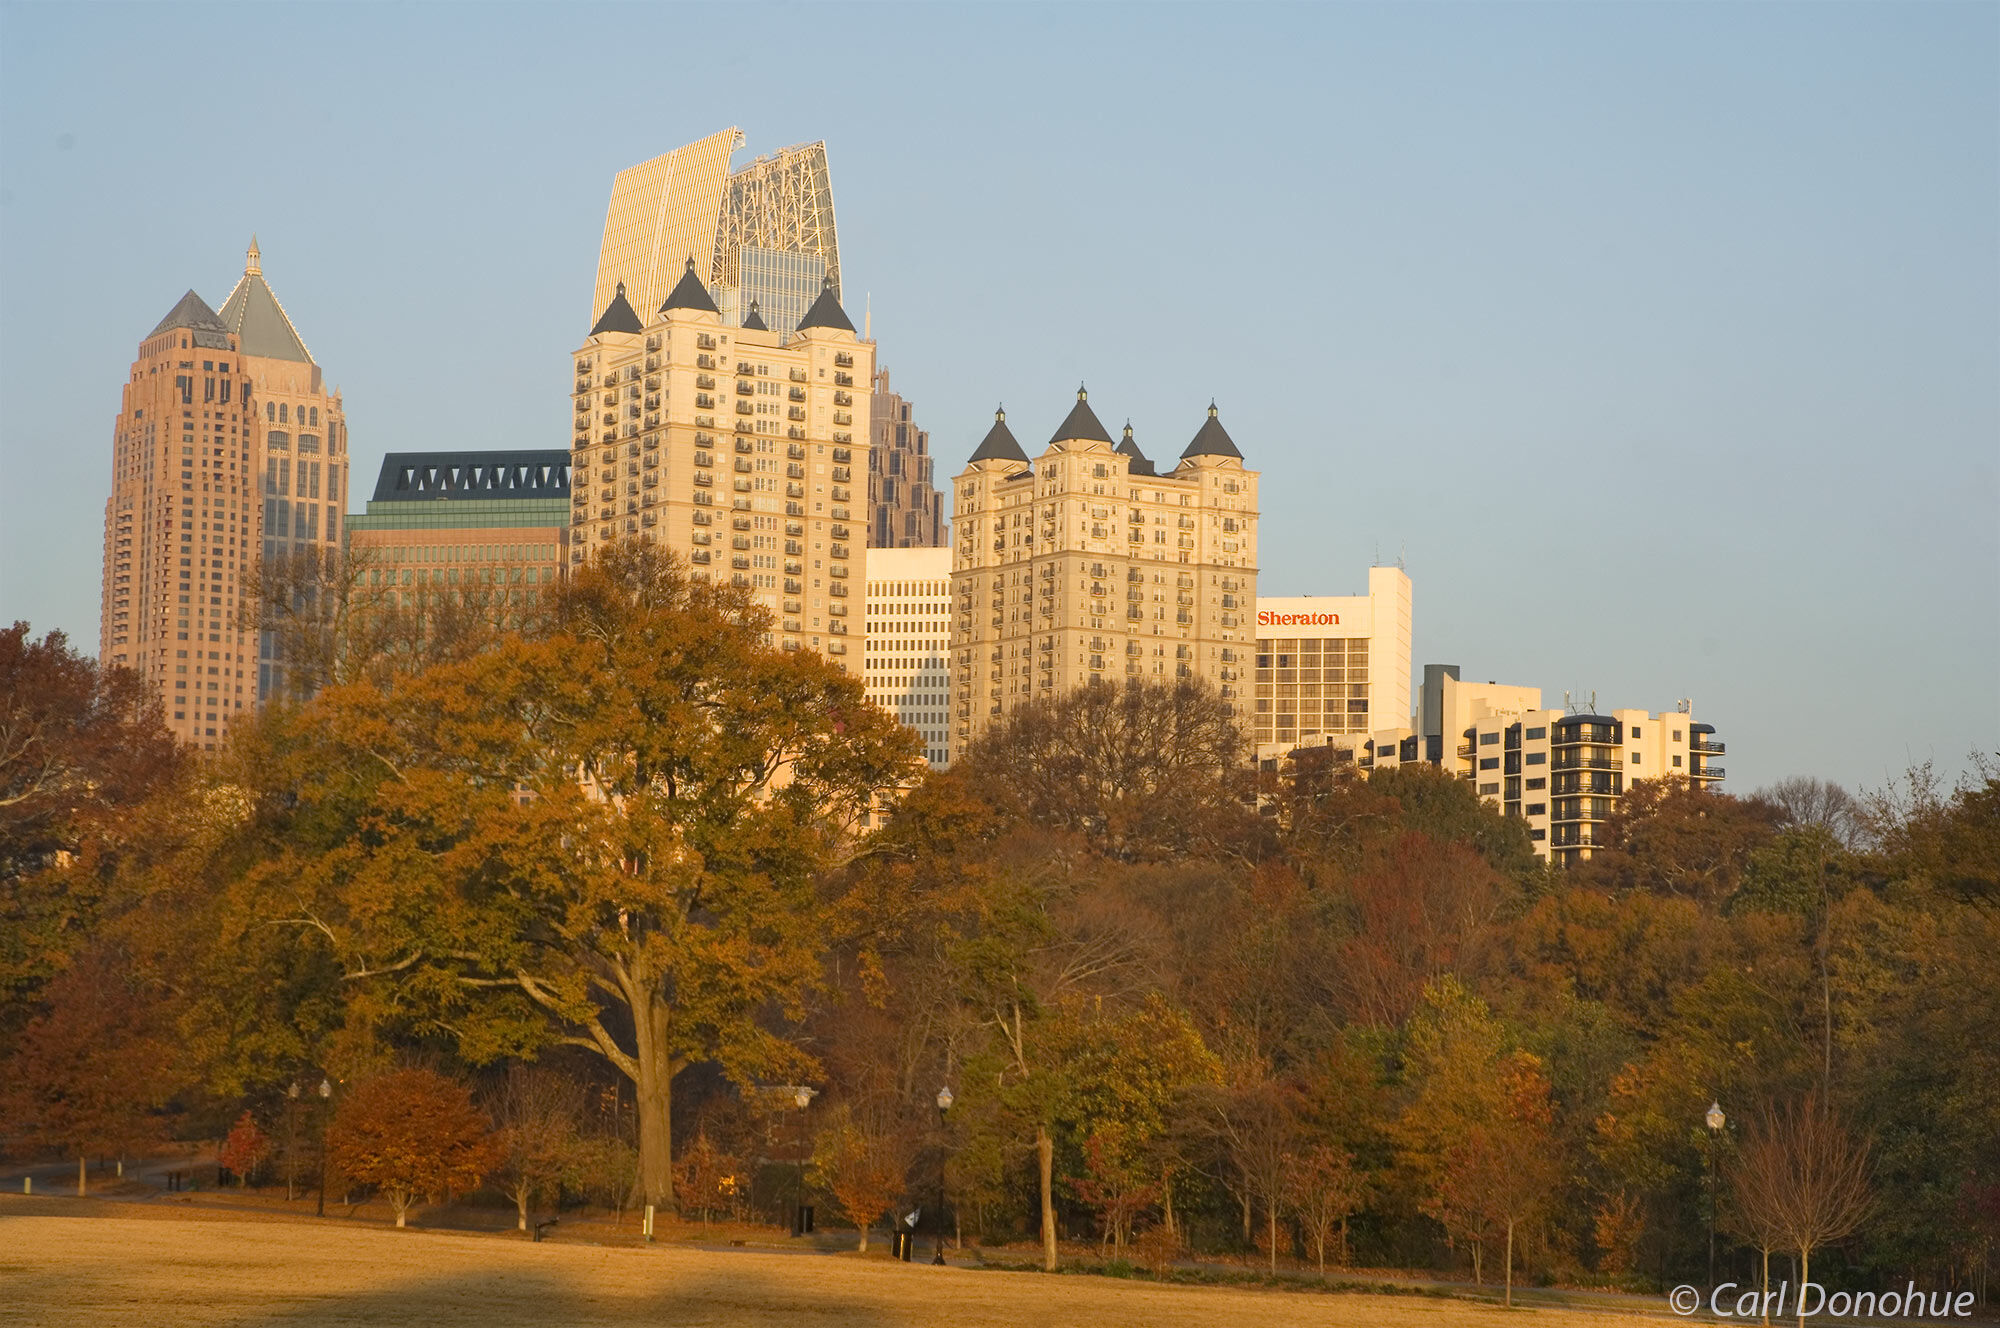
(908, 670)
(1086, 564)
(1332, 669)
(734, 446)
(1561, 772)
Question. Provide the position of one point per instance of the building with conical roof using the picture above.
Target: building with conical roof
(736, 446)
(227, 453)
(1084, 565)
(304, 433)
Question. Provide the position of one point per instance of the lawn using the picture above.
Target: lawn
(70, 1261)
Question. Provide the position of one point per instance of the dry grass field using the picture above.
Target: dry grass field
(69, 1262)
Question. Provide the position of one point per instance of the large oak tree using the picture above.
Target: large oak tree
(611, 835)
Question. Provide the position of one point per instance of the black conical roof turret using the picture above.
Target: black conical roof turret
(1081, 422)
(618, 316)
(192, 312)
(826, 310)
(1130, 451)
(754, 321)
(999, 443)
(689, 293)
(1212, 439)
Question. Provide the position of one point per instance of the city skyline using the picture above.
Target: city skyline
(1657, 393)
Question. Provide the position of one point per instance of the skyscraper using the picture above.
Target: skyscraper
(761, 234)
(182, 525)
(736, 448)
(304, 435)
(1086, 565)
(905, 510)
(227, 451)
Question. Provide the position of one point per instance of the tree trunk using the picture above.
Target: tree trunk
(1766, 1288)
(1045, 1162)
(1510, 1263)
(1805, 1271)
(864, 1236)
(1478, 1273)
(82, 1175)
(1273, 1225)
(1167, 1199)
(1245, 1199)
(521, 1207)
(652, 1098)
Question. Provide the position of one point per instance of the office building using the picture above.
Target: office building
(1332, 669)
(489, 530)
(735, 447)
(905, 509)
(228, 450)
(762, 235)
(1085, 565)
(305, 440)
(908, 671)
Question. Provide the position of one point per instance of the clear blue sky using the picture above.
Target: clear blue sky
(1662, 341)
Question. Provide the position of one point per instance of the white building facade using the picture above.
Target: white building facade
(1332, 669)
(908, 669)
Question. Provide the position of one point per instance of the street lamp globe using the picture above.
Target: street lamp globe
(293, 1091)
(803, 1097)
(1714, 1117)
(325, 1089)
(944, 1098)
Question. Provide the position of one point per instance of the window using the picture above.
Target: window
(1635, 758)
(1488, 739)
(1677, 735)
(1538, 834)
(1534, 784)
(282, 415)
(1488, 789)
(1538, 809)
(1489, 763)
(1677, 763)
(1635, 733)
(1533, 734)
(1538, 758)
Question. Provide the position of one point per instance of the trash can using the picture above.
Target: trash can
(900, 1244)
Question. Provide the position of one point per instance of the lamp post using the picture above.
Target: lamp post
(802, 1097)
(325, 1096)
(944, 1145)
(1715, 1120)
(292, 1141)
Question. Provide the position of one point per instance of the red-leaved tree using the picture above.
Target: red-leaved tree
(408, 1133)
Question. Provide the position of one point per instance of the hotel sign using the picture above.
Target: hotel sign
(1266, 618)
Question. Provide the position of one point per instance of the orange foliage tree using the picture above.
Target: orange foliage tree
(246, 1146)
(411, 1132)
(864, 1167)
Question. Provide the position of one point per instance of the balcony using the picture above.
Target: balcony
(1707, 746)
(843, 360)
(1707, 772)
(1586, 763)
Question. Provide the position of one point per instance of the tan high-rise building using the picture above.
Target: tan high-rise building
(909, 642)
(1087, 565)
(737, 447)
(304, 434)
(224, 425)
(182, 526)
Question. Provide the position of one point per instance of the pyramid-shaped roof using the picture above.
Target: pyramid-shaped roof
(1130, 451)
(1081, 422)
(260, 323)
(689, 293)
(1212, 439)
(618, 316)
(754, 321)
(999, 444)
(193, 313)
(826, 310)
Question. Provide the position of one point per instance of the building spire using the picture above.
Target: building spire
(253, 262)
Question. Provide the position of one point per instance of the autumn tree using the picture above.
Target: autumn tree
(1141, 771)
(1323, 1190)
(92, 1074)
(1118, 1181)
(536, 1112)
(863, 1164)
(708, 1179)
(245, 1146)
(608, 836)
(1503, 1168)
(409, 1133)
(1254, 1124)
(1806, 1178)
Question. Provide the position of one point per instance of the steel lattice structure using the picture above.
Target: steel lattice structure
(784, 202)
